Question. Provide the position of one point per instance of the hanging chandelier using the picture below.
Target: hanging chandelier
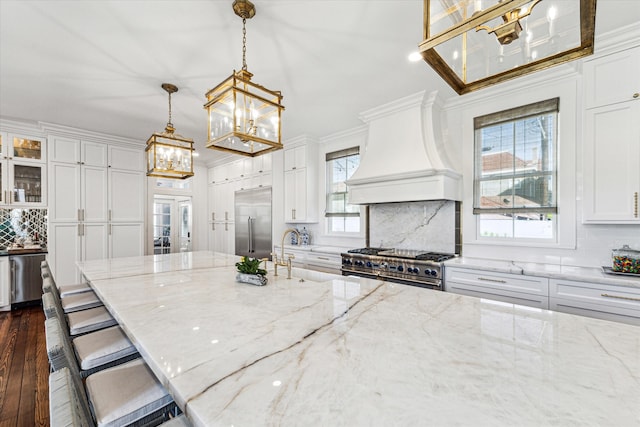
(460, 38)
(244, 117)
(169, 155)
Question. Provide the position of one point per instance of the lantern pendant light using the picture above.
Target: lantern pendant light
(169, 155)
(244, 117)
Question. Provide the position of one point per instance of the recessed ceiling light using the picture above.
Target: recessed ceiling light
(415, 57)
(196, 154)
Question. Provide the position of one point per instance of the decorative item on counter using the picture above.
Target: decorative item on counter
(249, 271)
(626, 260)
(294, 237)
(304, 236)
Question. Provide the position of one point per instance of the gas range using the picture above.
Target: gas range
(411, 267)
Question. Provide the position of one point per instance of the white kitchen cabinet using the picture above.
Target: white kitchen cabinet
(126, 196)
(130, 159)
(295, 196)
(126, 239)
(511, 288)
(222, 237)
(23, 171)
(64, 243)
(612, 139)
(5, 280)
(262, 164)
(97, 203)
(612, 78)
(618, 303)
(300, 183)
(611, 159)
(295, 158)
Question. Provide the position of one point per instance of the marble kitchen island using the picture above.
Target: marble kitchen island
(345, 351)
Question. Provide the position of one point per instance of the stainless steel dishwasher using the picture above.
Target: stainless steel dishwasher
(26, 279)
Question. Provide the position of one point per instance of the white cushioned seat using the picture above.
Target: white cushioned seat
(82, 322)
(66, 290)
(179, 421)
(102, 347)
(79, 302)
(125, 393)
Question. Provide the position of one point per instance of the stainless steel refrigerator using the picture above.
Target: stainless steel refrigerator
(253, 222)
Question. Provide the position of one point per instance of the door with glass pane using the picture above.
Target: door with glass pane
(171, 224)
(184, 216)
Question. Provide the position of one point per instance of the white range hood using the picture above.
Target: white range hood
(404, 158)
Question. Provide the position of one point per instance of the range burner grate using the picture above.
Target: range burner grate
(367, 251)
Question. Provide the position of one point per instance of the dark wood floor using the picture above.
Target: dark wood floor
(24, 369)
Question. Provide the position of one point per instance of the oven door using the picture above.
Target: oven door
(435, 284)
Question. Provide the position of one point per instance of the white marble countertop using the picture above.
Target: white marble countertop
(343, 351)
(584, 274)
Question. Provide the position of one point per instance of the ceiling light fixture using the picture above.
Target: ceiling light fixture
(564, 31)
(169, 155)
(244, 117)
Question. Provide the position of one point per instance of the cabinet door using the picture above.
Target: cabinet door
(289, 195)
(601, 89)
(64, 150)
(126, 196)
(5, 291)
(64, 247)
(94, 154)
(295, 195)
(64, 188)
(262, 164)
(611, 159)
(126, 240)
(94, 193)
(126, 158)
(295, 158)
(27, 182)
(27, 148)
(230, 238)
(94, 241)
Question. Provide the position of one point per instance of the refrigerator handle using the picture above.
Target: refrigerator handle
(250, 249)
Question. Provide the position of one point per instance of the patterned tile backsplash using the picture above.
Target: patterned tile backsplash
(16, 223)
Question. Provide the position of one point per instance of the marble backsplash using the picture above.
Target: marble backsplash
(425, 225)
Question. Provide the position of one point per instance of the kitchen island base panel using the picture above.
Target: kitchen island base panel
(355, 351)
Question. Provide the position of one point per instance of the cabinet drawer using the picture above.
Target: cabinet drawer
(479, 280)
(615, 299)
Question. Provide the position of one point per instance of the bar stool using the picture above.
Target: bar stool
(125, 394)
(79, 322)
(93, 352)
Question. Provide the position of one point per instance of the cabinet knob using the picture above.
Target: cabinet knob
(636, 95)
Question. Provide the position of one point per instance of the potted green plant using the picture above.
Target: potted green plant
(249, 271)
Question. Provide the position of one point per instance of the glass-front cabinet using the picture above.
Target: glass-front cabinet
(22, 170)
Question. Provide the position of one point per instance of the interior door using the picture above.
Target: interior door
(184, 232)
(172, 223)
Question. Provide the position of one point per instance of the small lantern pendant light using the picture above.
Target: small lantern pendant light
(169, 155)
(244, 117)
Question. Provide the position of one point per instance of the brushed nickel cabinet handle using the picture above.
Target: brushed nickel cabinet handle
(620, 297)
(484, 279)
(109, 215)
(79, 215)
(213, 226)
(79, 229)
(323, 258)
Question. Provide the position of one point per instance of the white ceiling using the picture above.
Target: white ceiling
(99, 64)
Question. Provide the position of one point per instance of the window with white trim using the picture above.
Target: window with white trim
(341, 216)
(515, 173)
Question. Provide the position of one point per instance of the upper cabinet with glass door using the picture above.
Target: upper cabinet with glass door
(22, 170)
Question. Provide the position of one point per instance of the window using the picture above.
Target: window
(515, 172)
(341, 216)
